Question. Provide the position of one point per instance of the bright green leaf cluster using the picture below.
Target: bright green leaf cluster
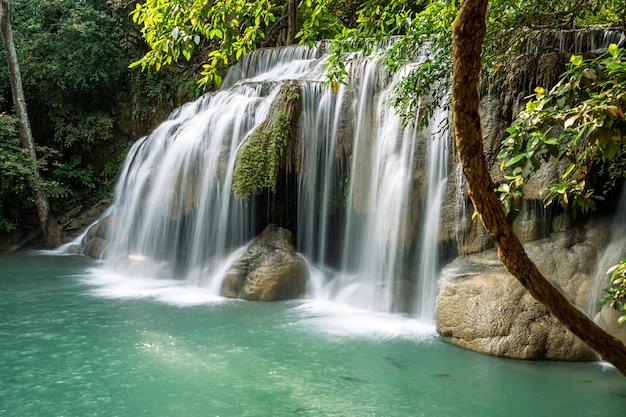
(172, 28)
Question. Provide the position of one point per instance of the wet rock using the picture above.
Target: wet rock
(483, 308)
(607, 319)
(269, 270)
(95, 243)
(75, 222)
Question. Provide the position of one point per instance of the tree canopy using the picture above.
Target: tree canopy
(85, 104)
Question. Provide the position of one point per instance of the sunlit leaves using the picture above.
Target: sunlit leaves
(172, 28)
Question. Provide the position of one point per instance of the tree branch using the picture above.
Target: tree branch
(468, 32)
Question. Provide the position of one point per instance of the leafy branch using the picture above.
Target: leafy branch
(579, 124)
(616, 293)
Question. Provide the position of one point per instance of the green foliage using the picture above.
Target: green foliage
(616, 293)
(15, 168)
(86, 130)
(224, 30)
(68, 47)
(378, 23)
(317, 21)
(258, 161)
(16, 202)
(82, 100)
(172, 28)
(579, 124)
(262, 154)
(423, 89)
(425, 27)
(511, 24)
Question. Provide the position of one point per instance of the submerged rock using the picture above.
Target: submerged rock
(269, 270)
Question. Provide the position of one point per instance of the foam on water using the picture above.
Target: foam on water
(342, 321)
(111, 284)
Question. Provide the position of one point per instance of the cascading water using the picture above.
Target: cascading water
(174, 212)
(437, 181)
(611, 255)
(365, 185)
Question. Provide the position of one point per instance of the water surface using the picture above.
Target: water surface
(76, 340)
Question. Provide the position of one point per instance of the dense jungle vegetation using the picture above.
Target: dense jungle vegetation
(84, 104)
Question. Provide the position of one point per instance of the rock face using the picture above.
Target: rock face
(483, 308)
(269, 270)
(95, 243)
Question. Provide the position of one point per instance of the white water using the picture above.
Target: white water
(612, 254)
(360, 222)
(437, 181)
(576, 41)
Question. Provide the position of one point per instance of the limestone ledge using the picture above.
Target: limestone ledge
(484, 308)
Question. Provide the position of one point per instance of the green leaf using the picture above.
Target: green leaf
(576, 60)
(515, 159)
(568, 171)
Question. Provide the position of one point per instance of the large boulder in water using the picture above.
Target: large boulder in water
(269, 270)
(484, 308)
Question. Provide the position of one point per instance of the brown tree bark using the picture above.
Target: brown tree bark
(468, 33)
(292, 17)
(46, 219)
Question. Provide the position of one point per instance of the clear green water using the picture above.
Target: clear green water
(75, 341)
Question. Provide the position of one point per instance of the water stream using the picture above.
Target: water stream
(610, 256)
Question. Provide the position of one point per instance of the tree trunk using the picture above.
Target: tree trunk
(292, 18)
(46, 219)
(468, 32)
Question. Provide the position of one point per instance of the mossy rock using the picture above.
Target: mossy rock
(269, 147)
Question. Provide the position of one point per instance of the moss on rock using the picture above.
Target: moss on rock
(270, 145)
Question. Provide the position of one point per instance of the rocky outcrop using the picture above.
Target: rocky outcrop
(483, 308)
(95, 242)
(270, 146)
(269, 270)
(76, 221)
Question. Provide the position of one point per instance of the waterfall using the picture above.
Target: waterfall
(593, 39)
(611, 255)
(437, 181)
(368, 190)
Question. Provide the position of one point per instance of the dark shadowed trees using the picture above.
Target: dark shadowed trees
(47, 220)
